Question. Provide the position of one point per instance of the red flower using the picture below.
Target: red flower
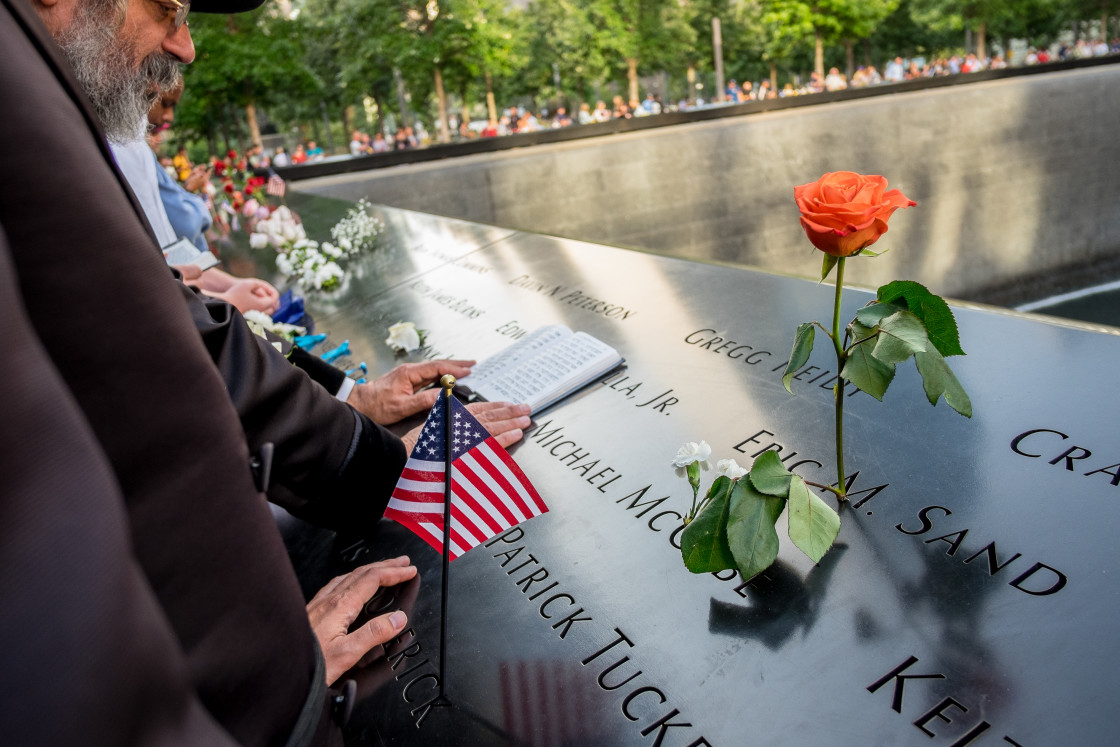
(232, 154)
(844, 212)
(228, 188)
(219, 167)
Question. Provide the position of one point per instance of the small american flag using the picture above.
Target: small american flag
(275, 185)
(489, 492)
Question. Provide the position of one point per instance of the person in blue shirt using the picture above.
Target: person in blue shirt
(187, 212)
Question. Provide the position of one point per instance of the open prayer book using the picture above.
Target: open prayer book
(541, 368)
(183, 252)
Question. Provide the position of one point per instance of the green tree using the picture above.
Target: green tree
(244, 62)
(857, 20)
(784, 28)
(565, 39)
(974, 15)
(357, 45)
(655, 33)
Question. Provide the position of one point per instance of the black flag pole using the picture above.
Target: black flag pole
(447, 382)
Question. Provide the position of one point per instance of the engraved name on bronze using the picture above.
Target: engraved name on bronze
(573, 297)
(1054, 447)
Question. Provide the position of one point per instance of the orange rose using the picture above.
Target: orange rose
(844, 212)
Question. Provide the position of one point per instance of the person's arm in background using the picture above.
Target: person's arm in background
(244, 293)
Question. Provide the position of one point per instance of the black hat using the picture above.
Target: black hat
(225, 6)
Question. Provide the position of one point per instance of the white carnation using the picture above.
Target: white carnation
(403, 336)
(730, 469)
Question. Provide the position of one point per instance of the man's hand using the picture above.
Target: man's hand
(505, 421)
(339, 603)
(396, 395)
(198, 177)
(251, 293)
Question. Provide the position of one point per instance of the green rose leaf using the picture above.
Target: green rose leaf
(750, 529)
(868, 372)
(872, 314)
(769, 476)
(935, 314)
(704, 545)
(941, 325)
(829, 263)
(802, 346)
(938, 379)
(813, 524)
(900, 335)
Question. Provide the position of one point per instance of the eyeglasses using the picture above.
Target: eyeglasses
(180, 9)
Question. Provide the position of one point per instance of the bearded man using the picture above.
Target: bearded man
(148, 597)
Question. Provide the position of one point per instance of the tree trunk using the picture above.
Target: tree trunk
(632, 76)
(981, 41)
(867, 53)
(464, 110)
(347, 120)
(717, 54)
(1104, 23)
(849, 58)
(818, 52)
(774, 77)
(380, 122)
(254, 127)
(691, 77)
(225, 131)
(327, 127)
(236, 129)
(441, 101)
(402, 99)
(491, 107)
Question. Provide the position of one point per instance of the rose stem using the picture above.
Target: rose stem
(838, 392)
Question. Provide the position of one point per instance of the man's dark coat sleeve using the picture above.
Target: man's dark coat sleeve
(348, 485)
(144, 551)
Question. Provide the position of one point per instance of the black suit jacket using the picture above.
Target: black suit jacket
(155, 600)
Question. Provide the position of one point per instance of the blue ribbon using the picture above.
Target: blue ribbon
(309, 341)
(332, 355)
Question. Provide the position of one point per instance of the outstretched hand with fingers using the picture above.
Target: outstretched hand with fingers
(401, 392)
(339, 603)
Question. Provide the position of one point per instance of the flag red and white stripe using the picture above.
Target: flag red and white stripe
(489, 492)
(275, 185)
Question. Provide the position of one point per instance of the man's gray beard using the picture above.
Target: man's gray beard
(102, 64)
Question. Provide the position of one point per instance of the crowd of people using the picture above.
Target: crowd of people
(518, 119)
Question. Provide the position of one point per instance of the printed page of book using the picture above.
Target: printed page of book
(508, 359)
(183, 252)
(553, 372)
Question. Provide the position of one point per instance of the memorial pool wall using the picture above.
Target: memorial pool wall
(1015, 179)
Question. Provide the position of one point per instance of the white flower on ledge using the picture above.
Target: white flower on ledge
(403, 337)
(692, 453)
(730, 469)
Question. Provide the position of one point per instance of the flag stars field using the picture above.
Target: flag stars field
(489, 492)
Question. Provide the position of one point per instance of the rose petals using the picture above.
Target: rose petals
(843, 212)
